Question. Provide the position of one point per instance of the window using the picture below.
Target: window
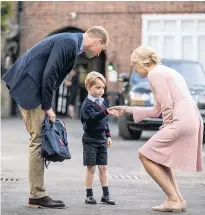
(174, 36)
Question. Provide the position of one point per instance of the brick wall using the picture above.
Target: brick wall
(122, 20)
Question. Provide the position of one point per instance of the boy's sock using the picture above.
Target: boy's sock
(89, 192)
(105, 191)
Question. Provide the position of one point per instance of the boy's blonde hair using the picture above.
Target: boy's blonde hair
(91, 79)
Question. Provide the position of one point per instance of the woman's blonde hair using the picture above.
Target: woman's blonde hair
(91, 79)
(144, 56)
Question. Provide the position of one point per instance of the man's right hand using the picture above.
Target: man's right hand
(50, 113)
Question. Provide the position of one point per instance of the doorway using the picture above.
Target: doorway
(83, 66)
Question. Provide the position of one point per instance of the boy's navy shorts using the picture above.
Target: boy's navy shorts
(94, 153)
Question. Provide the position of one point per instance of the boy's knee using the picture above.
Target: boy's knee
(102, 168)
(91, 169)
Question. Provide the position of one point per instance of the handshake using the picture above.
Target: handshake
(116, 111)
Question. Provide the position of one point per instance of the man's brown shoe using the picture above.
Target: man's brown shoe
(58, 201)
(46, 202)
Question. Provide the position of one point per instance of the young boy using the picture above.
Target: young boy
(96, 137)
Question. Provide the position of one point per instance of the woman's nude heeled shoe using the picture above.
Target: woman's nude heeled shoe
(183, 206)
(175, 207)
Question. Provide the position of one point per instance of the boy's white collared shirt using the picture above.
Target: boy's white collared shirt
(93, 99)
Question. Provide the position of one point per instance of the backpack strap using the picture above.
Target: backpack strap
(47, 162)
(47, 123)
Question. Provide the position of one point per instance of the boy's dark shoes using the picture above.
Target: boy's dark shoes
(45, 201)
(108, 200)
(90, 200)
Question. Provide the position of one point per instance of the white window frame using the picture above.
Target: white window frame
(178, 34)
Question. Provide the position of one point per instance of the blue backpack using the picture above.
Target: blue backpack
(54, 141)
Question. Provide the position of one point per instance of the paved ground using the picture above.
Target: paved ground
(130, 186)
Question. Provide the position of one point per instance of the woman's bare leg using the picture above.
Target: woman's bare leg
(174, 183)
(158, 173)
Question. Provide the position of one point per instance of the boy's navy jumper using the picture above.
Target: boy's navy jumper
(94, 118)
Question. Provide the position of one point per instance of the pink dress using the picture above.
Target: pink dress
(178, 143)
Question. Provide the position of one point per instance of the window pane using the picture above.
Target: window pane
(154, 26)
(188, 26)
(201, 25)
(187, 48)
(201, 50)
(153, 41)
(168, 48)
(169, 26)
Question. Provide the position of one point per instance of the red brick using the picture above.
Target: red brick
(122, 20)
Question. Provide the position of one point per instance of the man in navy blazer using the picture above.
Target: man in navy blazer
(32, 80)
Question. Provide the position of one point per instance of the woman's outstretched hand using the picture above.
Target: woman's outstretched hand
(116, 111)
(113, 113)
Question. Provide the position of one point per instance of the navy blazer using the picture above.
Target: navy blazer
(35, 76)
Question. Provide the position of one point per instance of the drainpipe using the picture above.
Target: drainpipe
(19, 18)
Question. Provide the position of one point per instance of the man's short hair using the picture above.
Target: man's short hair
(91, 79)
(98, 32)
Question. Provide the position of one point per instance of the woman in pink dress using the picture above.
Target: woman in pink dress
(178, 143)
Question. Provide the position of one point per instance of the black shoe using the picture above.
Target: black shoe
(108, 200)
(90, 200)
(45, 201)
(57, 201)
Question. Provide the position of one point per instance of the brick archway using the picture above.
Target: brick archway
(69, 29)
(83, 65)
